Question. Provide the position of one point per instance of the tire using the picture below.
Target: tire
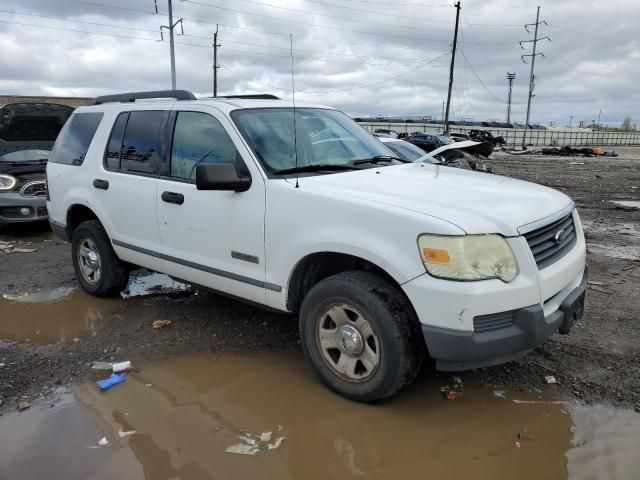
(393, 335)
(111, 275)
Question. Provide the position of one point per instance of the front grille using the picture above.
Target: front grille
(42, 211)
(34, 189)
(548, 245)
(494, 321)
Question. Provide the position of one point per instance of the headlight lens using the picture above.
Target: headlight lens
(7, 182)
(468, 257)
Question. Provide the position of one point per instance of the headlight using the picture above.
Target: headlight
(468, 257)
(7, 182)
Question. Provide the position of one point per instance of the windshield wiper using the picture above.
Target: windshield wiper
(378, 159)
(319, 167)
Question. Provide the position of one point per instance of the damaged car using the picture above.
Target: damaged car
(27, 134)
(23, 188)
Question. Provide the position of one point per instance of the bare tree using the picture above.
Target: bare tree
(627, 125)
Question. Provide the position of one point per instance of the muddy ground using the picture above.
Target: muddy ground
(598, 362)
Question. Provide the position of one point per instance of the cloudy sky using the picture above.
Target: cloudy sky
(366, 57)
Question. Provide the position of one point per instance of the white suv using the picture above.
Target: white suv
(384, 261)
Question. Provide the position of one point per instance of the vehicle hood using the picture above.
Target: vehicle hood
(476, 202)
(458, 146)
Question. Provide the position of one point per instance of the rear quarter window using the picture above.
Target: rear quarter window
(75, 138)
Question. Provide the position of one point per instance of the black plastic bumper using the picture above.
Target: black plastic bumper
(455, 351)
(59, 229)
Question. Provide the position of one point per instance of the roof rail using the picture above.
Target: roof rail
(256, 96)
(133, 96)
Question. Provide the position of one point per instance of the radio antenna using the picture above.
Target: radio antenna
(293, 100)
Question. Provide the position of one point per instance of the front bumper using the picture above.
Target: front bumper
(11, 203)
(456, 350)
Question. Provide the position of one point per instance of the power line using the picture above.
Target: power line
(377, 34)
(295, 10)
(207, 38)
(478, 77)
(333, 17)
(115, 35)
(299, 57)
(394, 4)
(342, 90)
(78, 21)
(281, 34)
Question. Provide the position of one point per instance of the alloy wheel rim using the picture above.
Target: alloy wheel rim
(89, 261)
(348, 343)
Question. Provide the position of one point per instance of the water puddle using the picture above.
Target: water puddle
(52, 316)
(177, 419)
(64, 314)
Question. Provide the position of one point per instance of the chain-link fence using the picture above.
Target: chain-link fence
(513, 136)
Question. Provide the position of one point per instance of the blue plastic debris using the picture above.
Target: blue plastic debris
(107, 383)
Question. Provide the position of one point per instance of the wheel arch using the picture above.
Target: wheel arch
(317, 266)
(76, 214)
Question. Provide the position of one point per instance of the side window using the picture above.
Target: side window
(112, 155)
(140, 151)
(199, 138)
(73, 143)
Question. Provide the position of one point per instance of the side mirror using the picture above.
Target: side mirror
(221, 176)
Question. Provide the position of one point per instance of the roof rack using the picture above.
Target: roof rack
(256, 96)
(133, 96)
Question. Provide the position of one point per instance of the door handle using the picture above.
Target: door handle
(101, 184)
(172, 197)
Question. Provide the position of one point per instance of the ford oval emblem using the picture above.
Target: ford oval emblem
(560, 236)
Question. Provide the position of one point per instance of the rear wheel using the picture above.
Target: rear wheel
(98, 269)
(361, 336)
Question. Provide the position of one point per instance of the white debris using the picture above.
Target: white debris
(550, 379)
(627, 204)
(152, 283)
(103, 442)
(115, 367)
(499, 394)
(123, 433)
(252, 444)
(8, 247)
(242, 449)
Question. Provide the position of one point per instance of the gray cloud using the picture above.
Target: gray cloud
(591, 63)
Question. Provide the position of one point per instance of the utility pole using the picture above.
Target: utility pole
(453, 61)
(171, 27)
(531, 75)
(510, 78)
(215, 62)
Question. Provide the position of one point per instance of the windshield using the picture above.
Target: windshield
(25, 156)
(405, 150)
(324, 137)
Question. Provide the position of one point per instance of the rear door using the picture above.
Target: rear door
(212, 238)
(126, 186)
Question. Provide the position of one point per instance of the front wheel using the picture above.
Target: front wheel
(361, 335)
(98, 269)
